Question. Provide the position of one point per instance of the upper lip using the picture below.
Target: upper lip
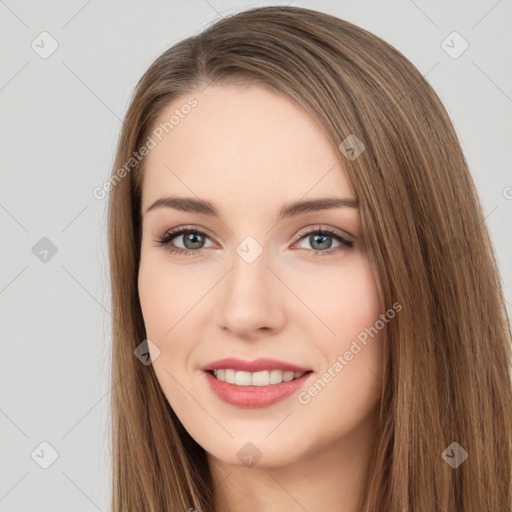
(254, 366)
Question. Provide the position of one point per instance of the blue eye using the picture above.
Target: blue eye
(322, 238)
(190, 237)
(193, 241)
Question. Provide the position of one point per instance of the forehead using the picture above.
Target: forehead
(246, 145)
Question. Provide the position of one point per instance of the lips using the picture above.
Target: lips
(251, 396)
(254, 366)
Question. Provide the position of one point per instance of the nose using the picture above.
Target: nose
(251, 301)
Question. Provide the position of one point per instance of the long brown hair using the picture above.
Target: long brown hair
(447, 355)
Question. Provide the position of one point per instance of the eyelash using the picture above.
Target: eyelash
(165, 240)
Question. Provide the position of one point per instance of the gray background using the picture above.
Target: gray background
(59, 126)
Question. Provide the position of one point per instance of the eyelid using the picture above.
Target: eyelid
(323, 227)
(179, 230)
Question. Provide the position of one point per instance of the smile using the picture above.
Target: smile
(254, 384)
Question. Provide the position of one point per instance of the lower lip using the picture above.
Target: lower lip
(255, 396)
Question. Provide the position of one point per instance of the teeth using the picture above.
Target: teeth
(263, 378)
(242, 378)
(259, 378)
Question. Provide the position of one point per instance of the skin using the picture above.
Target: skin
(248, 151)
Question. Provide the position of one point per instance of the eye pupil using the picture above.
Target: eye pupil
(323, 244)
(191, 237)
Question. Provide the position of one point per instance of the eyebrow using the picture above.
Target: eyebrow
(201, 206)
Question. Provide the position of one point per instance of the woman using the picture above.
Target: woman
(301, 268)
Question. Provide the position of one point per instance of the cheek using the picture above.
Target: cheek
(166, 294)
(174, 307)
(347, 300)
(156, 305)
(352, 356)
(165, 298)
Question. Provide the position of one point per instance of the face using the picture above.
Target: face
(252, 278)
